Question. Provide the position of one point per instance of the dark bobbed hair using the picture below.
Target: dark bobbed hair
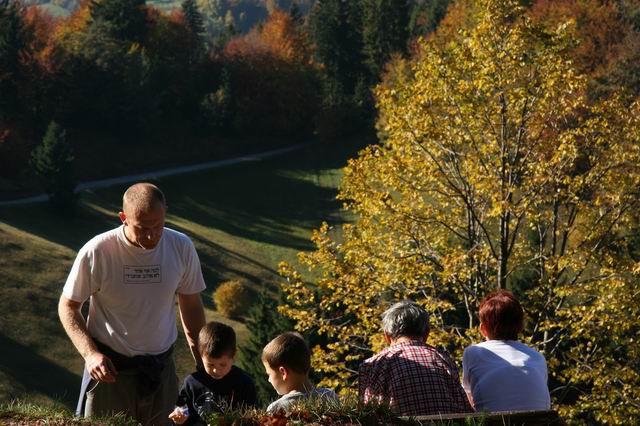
(288, 350)
(217, 339)
(502, 315)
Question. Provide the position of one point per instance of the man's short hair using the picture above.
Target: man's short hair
(406, 319)
(143, 197)
(290, 351)
(502, 315)
(216, 339)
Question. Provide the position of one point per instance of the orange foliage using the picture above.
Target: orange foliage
(283, 36)
(275, 89)
(279, 37)
(67, 33)
(460, 15)
(599, 28)
(41, 25)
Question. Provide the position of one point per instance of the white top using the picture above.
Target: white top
(289, 400)
(132, 290)
(505, 375)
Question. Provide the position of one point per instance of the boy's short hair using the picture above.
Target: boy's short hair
(502, 315)
(216, 339)
(288, 350)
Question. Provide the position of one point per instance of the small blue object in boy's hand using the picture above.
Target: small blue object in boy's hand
(184, 410)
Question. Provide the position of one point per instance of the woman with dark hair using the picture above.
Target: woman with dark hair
(502, 373)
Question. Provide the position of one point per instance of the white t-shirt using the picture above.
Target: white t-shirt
(132, 290)
(505, 375)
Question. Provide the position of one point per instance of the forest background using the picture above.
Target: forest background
(436, 213)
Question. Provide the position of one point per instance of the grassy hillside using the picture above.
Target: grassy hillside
(243, 219)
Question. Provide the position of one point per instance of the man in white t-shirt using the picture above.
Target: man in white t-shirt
(131, 275)
(503, 374)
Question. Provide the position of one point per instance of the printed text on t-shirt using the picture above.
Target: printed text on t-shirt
(147, 274)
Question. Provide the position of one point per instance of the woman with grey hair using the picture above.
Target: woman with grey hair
(410, 376)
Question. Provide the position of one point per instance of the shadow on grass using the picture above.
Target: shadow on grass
(268, 201)
(69, 230)
(26, 368)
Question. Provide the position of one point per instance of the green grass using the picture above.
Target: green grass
(312, 411)
(243, 220)
(27, 413)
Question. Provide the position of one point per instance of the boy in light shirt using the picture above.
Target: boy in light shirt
(287, 362)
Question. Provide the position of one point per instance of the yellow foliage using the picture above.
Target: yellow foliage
(494, 171)
(231, 299)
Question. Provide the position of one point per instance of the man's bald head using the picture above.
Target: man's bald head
(142, 197)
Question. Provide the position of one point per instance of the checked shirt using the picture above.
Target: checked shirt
(414, 379)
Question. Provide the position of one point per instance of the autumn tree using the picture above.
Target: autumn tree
(599, 26)
(493, 171)
(273, 78)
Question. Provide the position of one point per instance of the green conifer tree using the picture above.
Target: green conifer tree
(384, 31)
(425, 16)
(52, 162)
(264, 323)
(12, 43)
(194, 18)
(124, 20)
(296, 13)
(335, 30)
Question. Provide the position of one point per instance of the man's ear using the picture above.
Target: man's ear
(122, 217)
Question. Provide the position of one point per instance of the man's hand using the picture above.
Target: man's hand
(97, 364)
(101, 368)
(178, 417)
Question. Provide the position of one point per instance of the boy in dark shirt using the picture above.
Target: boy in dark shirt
(220, 385)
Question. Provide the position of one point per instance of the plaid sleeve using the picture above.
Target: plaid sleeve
(363, 381)
(371, 383)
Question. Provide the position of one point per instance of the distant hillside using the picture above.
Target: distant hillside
(244, 14)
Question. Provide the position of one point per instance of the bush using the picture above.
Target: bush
(231, 298)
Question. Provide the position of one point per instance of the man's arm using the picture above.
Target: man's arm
(98, 365)
(192, 316)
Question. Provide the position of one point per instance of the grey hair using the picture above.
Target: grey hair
(407, 319)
